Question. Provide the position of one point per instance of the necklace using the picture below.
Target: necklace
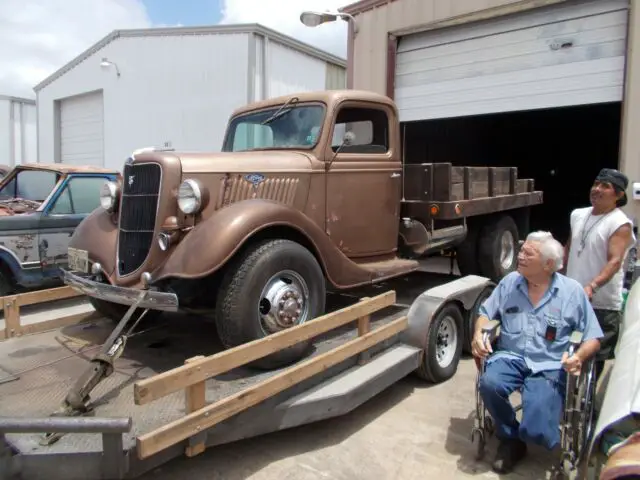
(584, 235)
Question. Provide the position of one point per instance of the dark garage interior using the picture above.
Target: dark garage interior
(562, 149)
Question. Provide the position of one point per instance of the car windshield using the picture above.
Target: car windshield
(286, 126)
(32, 185)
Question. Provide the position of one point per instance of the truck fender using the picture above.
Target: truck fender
(98, 233)
(424, 309)
(207, 247)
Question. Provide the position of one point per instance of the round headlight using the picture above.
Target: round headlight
(189, 197)
(109, 196)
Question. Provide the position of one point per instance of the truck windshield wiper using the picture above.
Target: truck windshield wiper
(292, 101)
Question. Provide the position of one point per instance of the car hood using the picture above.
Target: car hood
(245, 162)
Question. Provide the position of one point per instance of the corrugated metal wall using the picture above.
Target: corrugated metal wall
(18, 135)
(336, 78)
(370, 46)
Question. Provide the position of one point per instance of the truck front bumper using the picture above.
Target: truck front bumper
(155, 300)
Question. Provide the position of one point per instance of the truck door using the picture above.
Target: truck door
(76, 198)
(364, 181)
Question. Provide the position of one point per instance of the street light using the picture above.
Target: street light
(313, 19)
(106, 63)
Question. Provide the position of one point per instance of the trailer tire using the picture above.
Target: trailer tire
(115, 311)
(445, 327)
(270, 271)
(498, 248)
(472, 316)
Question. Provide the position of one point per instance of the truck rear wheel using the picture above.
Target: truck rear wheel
(275, 285)
(444, 345)
(498, 248)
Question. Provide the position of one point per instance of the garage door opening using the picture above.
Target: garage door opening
(562, 149)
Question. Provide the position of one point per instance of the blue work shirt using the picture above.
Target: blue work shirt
(564, 306)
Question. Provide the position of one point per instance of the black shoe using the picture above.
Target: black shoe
(510, 452)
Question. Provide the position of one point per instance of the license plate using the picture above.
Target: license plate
(78, 260)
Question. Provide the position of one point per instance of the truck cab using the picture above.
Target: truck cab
(306, 195)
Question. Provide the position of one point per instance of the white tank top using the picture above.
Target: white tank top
(588, 255)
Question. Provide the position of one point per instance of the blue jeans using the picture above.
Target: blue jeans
(542, 401)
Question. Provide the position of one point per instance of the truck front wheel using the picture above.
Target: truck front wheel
(274, 285)
(498, 248)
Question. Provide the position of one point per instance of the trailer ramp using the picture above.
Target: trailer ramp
(182, 394)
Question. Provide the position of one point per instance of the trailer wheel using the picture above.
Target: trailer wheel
(444, 345)
(498, 248)
(471, 318)
(275, 285)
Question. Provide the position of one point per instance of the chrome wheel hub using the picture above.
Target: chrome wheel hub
(284, 302)
(446, 342)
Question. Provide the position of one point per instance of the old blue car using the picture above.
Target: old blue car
(40, 207)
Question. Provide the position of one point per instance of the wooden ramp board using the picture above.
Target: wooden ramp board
(42, 310)
(175, 338)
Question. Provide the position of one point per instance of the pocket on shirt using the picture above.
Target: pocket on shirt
(512, 324)
(550, 320)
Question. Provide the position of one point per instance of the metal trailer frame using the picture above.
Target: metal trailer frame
(382, 359)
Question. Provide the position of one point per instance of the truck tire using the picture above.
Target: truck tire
(444, 345)
(472, 316)
(268, 275)
(467, 252)
(115, 311)
(5, 286)
(498, 248)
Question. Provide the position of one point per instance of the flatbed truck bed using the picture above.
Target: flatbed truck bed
(47, 364)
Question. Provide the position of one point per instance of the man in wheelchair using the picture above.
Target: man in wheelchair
(538, 310)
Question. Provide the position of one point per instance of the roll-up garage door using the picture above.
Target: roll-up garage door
(82, 130)
(568, 54)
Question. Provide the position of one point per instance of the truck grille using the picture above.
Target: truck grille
(138, 206)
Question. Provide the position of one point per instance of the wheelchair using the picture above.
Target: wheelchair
(577, 423)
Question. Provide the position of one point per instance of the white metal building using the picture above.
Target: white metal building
(18, 131)
(169, 87)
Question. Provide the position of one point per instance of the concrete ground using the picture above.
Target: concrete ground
(413, 430)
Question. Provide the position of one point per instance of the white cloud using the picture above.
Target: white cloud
(284, 16)
(38, 37)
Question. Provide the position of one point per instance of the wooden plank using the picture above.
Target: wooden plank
(48, 295)
(181, 429)
(158, 386)
(195, 399)
(59, 322)
(11, 316)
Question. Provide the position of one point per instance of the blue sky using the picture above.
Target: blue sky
(184, 12)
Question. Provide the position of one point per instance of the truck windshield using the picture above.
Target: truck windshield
(33, 185)
(294, 126)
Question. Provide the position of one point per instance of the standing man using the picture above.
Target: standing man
(601, 236)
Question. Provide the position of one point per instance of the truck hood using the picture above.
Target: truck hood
(245, 162)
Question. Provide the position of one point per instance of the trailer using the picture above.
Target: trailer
(172, 392)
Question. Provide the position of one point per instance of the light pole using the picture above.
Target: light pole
(313, 19)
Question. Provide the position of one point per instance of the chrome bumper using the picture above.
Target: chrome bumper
(125, 296)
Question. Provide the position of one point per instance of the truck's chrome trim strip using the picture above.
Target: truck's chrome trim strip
(125, 296)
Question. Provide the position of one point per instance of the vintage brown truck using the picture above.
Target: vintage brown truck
(309, 194)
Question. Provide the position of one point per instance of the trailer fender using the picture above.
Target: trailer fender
(455, 299)
(98, 228)
(212, 243)
(423, 310)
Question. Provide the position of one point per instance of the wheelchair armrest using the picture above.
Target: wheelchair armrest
(576, 338)
(490, 330)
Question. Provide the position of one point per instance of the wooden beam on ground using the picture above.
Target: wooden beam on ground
(183, 428)
(158, 386)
